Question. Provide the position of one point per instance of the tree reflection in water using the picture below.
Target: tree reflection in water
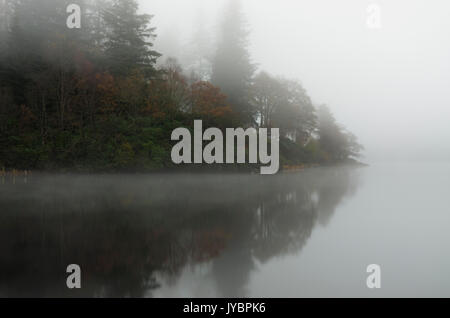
(126, 231)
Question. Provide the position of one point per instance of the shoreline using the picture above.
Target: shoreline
(18, 174)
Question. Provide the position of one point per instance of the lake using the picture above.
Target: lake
(306, 234)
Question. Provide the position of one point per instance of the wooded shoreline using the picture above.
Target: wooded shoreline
(102, 98)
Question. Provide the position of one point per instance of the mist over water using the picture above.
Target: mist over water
(292, 235)
(136, 235)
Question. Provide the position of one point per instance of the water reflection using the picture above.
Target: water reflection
(133, 234)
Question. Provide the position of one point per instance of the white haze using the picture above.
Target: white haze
(390, 86)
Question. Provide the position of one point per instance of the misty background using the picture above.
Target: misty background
(387, 85)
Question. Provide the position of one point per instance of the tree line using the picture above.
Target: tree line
(96, 98)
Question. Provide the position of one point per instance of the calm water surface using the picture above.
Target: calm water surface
(293, 235)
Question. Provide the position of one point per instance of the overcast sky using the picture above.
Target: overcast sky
(390, 86)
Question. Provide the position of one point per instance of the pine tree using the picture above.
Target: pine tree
(232, 69)
(199, 52)
(129, 43)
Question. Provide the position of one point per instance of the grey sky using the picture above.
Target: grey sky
(390, 86)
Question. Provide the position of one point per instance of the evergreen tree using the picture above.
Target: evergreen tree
(129, 43)
(232, 69)
(199, 53)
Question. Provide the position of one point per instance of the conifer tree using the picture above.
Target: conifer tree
(232, 69)
(129, 43)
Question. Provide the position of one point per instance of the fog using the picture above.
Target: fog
(388, 85)
(309, 234)
(96, 164)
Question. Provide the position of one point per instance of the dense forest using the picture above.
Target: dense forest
(101, 97)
